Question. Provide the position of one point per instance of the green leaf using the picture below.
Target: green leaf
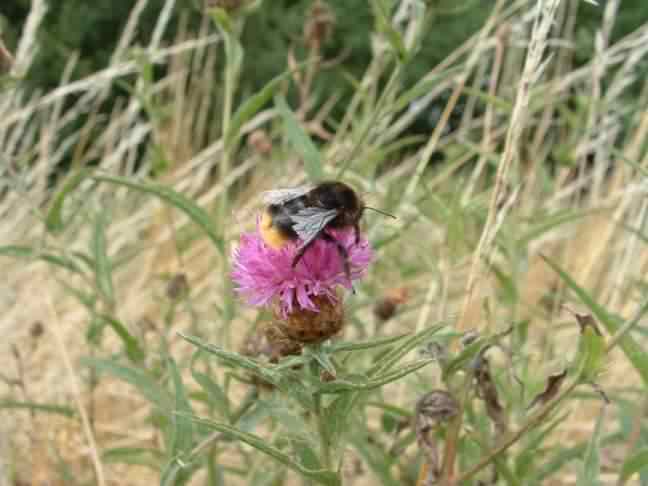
(175, 199)
(38, 407)
(300, 141)
(251, 106)
(391, 34)
(54, 219)
(469, 353)
(634, 164)
(527, 459)
(143, 382)
(16, 251)
(61, 261)
(136, 456)
(391, 357)
(337, 413)
(321, 356)
(633, 351)
(345, 385)
(562, 456)
(361, 345)
(634, 464)
(217, 396)
(322, 476)
(103, 267)
(504, 105)
(172, 474)
(591, 354)
(222, 20)
(182, 425)
(553, 221)
(375, 456)
(132, 348)
(589, 475)
(422, 88)
(235, 359)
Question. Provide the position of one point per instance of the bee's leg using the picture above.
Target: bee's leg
(344, 255)
(302, 249)
(356, 228)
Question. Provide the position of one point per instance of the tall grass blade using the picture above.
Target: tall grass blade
(300, 141)
(142, 381)
(326, 477)
(175, 199)
(632, 350)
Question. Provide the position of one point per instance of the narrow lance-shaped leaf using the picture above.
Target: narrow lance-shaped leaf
(142, 381)
(341, 386)
(632, 350)
(217, 397)
(589, 475)
(103, 266)
(251, 106)
(54, 218)
(300, 141)
(38, 407)
(234, 359)
(326, 477)
(175, 199)
(131, 345)
(182, 425)
(636, 463)
(394, 355)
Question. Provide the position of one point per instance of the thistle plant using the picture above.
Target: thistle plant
(465, 342)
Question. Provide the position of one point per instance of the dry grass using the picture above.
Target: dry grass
(430, 258)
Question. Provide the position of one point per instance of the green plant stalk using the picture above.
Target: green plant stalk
(454, 432)
(534, 421)
(325, 443)
(233, 60)
(320, 419)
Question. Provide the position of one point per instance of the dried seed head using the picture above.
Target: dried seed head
(37, 329)
(268, 343)
(306, 326)
(177, 287)
(432, 410)
(387, 306)
(327, 376)
(487, 391)
(6, 59)
(552, 387)
(319, 24)
(260, 142)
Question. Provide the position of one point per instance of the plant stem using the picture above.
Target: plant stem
(534, 421)
(325, 444)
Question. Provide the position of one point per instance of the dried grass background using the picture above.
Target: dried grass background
(157, 243)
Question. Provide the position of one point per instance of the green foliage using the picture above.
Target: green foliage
(308, 414)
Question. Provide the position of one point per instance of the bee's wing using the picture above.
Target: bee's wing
(310, 221)
(280, 196)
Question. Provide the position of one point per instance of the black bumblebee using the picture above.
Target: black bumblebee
(306, 212)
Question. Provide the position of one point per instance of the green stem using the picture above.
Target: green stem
(535, 420)
(325, 444)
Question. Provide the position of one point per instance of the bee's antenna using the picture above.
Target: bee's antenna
(379, 211)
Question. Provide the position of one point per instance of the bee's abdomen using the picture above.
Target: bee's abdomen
(276, 226)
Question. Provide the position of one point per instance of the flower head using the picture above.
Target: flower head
(265, 275)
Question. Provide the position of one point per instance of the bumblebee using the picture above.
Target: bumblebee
(306, 212)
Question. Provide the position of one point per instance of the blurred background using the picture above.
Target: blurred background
(137, 136)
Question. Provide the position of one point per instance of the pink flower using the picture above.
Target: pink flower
(264, 275)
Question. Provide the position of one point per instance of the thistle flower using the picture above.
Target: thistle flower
(265, 276)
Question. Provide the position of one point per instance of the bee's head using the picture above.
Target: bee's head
(337, 195)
